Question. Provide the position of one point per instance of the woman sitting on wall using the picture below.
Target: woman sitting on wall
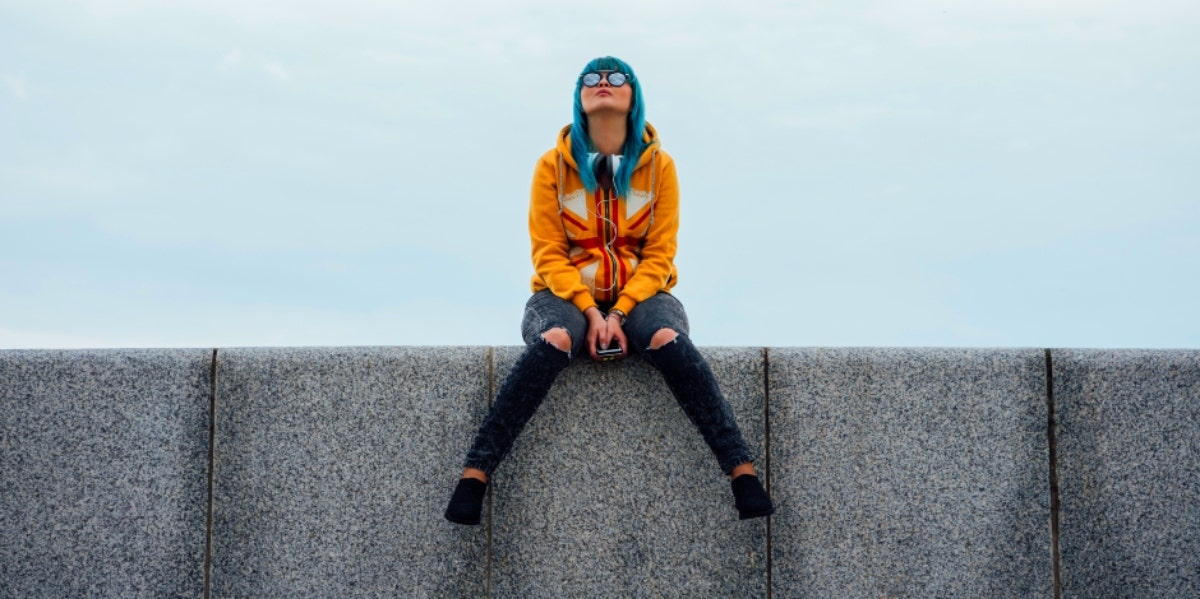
(603, 218)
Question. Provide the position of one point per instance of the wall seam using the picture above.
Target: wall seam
(767, 458)
(491, 487)
(1052, 442)
(212, 434)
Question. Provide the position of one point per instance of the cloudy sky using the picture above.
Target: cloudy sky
(909, 173)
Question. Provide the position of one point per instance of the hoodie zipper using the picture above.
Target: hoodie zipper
(609, 236)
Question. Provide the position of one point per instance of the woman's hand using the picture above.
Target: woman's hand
(616, 334)
(603, 332)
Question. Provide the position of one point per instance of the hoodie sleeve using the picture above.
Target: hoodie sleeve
(549, 241)
(658, 254)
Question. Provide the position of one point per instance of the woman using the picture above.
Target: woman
(603, 218)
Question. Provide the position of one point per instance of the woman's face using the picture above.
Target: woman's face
(606, 98)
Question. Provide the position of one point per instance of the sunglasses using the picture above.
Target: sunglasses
(615, 78)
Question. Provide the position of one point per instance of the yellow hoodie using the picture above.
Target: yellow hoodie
(590, 248)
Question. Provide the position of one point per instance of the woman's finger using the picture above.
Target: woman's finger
(619, 337)
(606, 336)
(592, 335)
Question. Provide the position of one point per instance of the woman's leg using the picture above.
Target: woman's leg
(659, 331)
(657, 328)
(519, 397)
(553, 330)
(695, 388)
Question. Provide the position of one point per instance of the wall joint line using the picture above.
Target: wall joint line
(1052, 442)
(767, 454)
(212, 434)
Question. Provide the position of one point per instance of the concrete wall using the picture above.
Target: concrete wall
(104, 472)
(323, 472)
(1129, 472)
(910, 473)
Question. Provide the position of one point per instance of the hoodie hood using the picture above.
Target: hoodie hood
(650, 137)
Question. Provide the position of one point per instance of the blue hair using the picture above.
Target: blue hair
(635, 129)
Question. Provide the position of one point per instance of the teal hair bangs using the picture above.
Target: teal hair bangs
(635, 128)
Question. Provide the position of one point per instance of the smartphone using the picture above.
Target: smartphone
(609, 354)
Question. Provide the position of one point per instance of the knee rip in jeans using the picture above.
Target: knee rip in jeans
(662, 337)
(558, 337)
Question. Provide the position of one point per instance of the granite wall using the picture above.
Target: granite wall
(1129, 472)
(322, 472)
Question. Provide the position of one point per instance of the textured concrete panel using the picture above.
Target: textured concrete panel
(103, 472)
(611, 492)
(1129, 472)
(333, 467)
(909, 473)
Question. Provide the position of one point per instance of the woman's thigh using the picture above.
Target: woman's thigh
(660, 311)
(545, 311)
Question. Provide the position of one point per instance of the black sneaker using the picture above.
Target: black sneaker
(466, 504)
(751, 498)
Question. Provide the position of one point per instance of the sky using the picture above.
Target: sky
(220, 173)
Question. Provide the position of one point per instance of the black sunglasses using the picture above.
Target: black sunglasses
(615, 78)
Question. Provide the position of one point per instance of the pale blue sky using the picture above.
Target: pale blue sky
(909, 173)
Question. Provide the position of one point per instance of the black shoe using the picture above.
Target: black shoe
(751, 498)
(466, 503)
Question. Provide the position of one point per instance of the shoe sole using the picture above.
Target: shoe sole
(468, 522)
(752, 515)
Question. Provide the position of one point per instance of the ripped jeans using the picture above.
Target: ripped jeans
(683, 368)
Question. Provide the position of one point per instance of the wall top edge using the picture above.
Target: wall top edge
(755, 348)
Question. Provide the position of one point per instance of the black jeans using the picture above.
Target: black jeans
(683, 368)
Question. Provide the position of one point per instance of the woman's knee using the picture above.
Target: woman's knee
(662, 337)
(558, 337)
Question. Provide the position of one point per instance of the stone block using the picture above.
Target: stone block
(103, 472)
(611, 492)
(333, 467)
(909, 473)
(1129, 472)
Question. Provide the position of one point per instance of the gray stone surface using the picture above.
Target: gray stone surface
(1129, 472)
(611, 492)
(103, 472)
(897, 472)
(909, 473)
(333, 469)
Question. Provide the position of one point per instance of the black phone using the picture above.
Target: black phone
(610, 353)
